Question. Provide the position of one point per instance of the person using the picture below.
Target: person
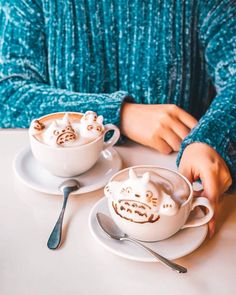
(164, 71)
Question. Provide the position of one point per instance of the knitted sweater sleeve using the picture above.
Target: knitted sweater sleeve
(217, 128)
(25, 90)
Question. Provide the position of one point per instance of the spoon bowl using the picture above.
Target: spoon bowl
(69, 184)
(109, 227)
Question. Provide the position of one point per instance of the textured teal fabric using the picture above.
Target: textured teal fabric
(75, 55)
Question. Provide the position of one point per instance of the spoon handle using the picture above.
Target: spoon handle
(55, 237)
(162, 259)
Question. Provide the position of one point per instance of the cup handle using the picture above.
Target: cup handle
(201, 201)
(114, 138)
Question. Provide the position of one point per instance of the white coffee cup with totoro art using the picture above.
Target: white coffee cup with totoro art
(151, 203)
(68, 144)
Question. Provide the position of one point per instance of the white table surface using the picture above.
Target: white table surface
(82, 266)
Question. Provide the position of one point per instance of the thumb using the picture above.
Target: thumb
(210, 186)
(212, 222)
(186, 171)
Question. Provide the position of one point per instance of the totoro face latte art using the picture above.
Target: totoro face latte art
(152, 203)
(68, 130)
(139, 200)
(68, 144)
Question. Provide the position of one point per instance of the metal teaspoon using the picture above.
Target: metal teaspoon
(66, 187)
(113, 231)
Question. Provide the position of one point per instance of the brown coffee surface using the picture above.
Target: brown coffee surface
(52, 117)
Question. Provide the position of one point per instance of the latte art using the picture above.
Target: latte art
(152, 203)
(36, 127)
(68, 129)
(135, 211)
(91, 125)
(146, 198)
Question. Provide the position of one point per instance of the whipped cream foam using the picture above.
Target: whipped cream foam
(69, 130)
(143, 199)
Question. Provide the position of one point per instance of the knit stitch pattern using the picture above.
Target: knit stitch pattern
(75, 55)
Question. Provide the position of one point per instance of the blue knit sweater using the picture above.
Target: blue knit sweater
(75, 55)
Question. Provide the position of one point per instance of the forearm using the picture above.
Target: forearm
(27, 89)
(22, 100)
(217, 128)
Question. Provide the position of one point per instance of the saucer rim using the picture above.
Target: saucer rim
(83, 190)
(102, 242)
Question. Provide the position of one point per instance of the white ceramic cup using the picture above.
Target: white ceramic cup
(71, 160)
(166, 225)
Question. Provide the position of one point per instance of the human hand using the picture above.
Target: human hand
(200, 161)
(160, 126)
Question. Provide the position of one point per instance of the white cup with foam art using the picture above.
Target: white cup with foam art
(152, 203)
(69, 144)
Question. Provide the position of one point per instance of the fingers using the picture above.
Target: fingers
(210, 182)
(170, 126)
(212, 222)
(180, 129)
(207, 192)
(176, 130)
(162, 146)
(211, 190)
(186, 118)
(186, 171)
(172, 139)
(212, 226)
(212, 171)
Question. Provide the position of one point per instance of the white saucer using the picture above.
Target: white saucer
(181, 244)
(30, 172)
